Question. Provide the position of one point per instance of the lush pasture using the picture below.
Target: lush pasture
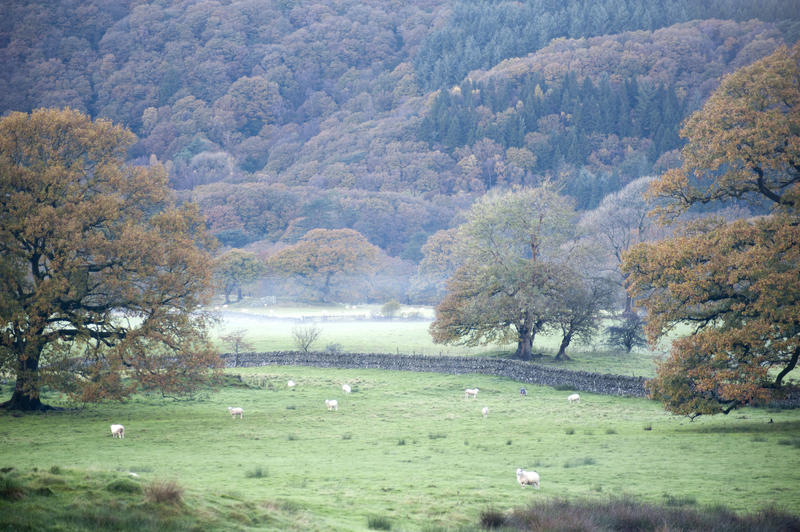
(404, 449)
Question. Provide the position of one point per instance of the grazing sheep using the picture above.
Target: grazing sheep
(471, 392)
(523, 392)
(574, 398)
(346, 388)
(485, 411)
(332, 404)
(236, 411)
(117, 431)
(290, 384)
(528, 477)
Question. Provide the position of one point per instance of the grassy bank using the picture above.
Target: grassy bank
(404, 450)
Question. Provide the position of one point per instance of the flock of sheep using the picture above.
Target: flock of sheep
(524, 478)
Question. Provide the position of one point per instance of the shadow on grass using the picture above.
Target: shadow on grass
(756, 427)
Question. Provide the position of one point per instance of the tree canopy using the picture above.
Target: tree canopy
(620, 221)
(235, 268)
(102, 276)
(736, 283)
(332, 265)
(743, 142)
(509, 259)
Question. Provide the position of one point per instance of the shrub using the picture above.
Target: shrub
(686, 500)
(491, 518)
(124, 485)
(628, 334)
(304, 336)
(579, 462)
(378, 522)
(166, 491)
(334, 349)
(390, 309)
(11, 488)
(258, 472)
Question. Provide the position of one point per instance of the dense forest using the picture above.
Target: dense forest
(385, 117)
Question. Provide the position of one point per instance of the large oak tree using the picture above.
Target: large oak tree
(331, 264)
(509, 269)
(737, 283)
(101, 275)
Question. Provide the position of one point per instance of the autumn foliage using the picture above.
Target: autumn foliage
(737, 284)
(331, 264)
(102, 276)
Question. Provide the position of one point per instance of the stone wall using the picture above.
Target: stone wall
(512, 369)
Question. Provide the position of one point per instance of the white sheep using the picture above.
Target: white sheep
(574, 398)
(290, 384)
(236, 411)
(332, 404)
(471, 392)
(528, 477)
(117, 431)
(346, 388)
(485, 411)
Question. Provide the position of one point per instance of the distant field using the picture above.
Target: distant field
(354, 330)
(404, 449)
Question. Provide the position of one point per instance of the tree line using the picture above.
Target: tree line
(479, 35)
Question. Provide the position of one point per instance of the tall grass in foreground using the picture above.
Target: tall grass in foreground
(627, 514)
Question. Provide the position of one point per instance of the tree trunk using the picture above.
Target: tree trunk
(562, 349)
(628, 303)
(524, 349)
(524, 342)
(26, 388)
(20, 401)
(238, 293)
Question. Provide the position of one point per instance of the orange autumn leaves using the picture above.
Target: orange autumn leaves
(102, 274)
(737, 284)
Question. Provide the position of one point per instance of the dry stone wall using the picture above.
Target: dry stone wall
(519, 371)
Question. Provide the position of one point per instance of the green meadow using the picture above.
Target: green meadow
(405, 451)
(353, 329)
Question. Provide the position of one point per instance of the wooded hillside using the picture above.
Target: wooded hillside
(386, 117)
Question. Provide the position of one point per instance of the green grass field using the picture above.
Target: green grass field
(404, 450)
(270, 329)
